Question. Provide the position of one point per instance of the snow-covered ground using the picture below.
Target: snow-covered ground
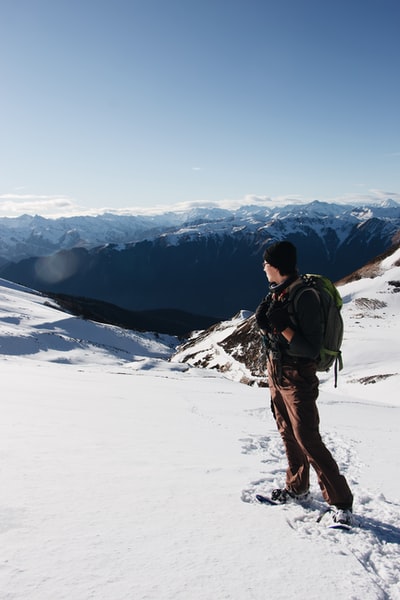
(127, 477)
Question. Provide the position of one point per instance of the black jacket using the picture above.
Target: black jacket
(305, 319)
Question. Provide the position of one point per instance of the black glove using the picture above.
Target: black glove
(279, 319)
(261, 317)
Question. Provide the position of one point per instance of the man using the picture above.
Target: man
(293, 337)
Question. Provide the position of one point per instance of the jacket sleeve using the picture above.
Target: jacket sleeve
(307, 340)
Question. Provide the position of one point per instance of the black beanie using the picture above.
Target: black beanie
(282, 256)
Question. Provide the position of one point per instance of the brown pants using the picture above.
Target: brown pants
(294, 392)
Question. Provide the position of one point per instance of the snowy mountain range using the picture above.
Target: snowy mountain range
(130, 471)
(27, 236)
(204, 261)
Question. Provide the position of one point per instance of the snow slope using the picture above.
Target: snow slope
(128, 477)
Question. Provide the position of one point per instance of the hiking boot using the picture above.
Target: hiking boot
(282, 496)
(341, 516)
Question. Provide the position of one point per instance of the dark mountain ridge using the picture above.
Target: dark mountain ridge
(209, 262)
(171, 322)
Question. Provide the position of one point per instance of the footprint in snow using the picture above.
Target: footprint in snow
(374, 541)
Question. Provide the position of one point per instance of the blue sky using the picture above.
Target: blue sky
(155, 102)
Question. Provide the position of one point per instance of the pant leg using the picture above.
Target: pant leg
(298, 389)
(298, 470)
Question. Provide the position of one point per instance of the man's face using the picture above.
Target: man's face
(272, 273)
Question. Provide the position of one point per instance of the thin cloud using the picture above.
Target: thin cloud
(14, 205)
(372, 196)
